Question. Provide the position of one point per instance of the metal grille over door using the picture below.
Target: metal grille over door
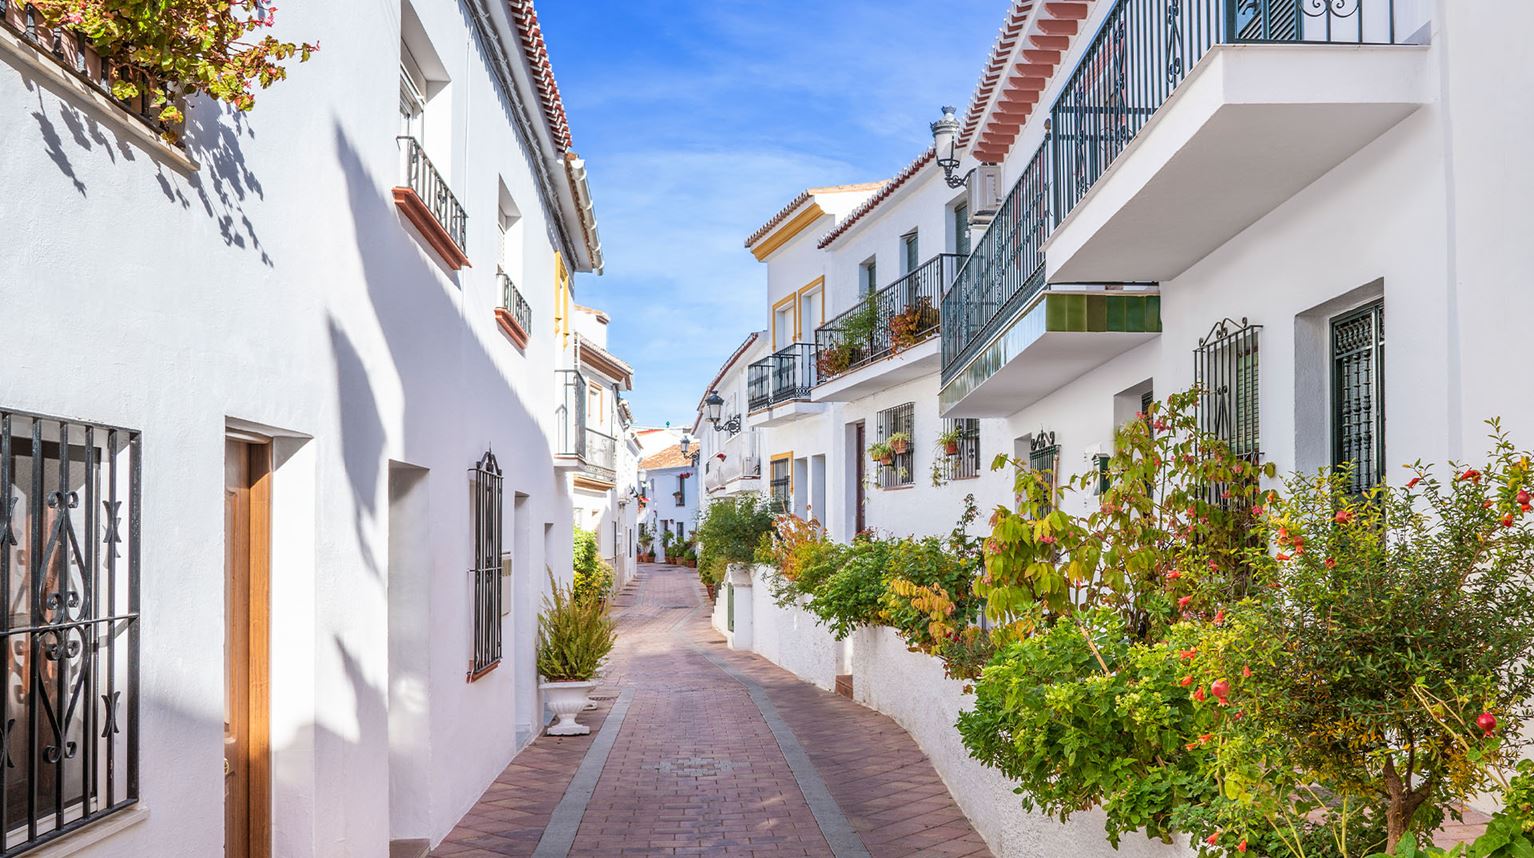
(1358, 394)
(69, 627)
(1226, 372)
(485, 480)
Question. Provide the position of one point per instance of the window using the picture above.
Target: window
(594, 408)
(69, 557)
(1044, 458)
(412, 98)
(868, 277)
(893, 423)
(1226, 372)
(962, 461)
(781, 482)
(1358, 394)
(783, 324)
(961, 229)
(681, 489)
(810, 304)
(485, 504)
(910, 253)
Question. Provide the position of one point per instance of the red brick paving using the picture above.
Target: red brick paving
(696, 771)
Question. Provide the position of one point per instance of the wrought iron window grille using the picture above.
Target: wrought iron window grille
(964, 462)
(1358, 395)
(1044, 458)
(70, 560)
(486, 504)
(1226, 374)
(780, 485)
(900, 472)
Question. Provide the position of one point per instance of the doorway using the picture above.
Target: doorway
(247, 622)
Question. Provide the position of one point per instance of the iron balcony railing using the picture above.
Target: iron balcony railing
(1145, 48)
(882, 323)
(1003, 271)
(513, 302)
(596, 450)
(422, 177)
(784, 375)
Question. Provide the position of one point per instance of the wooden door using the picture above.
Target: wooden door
(247, 753)
(861, 454)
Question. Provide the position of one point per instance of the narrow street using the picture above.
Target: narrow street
(699, 750)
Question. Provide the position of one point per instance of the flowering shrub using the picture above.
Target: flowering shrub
(185, 46)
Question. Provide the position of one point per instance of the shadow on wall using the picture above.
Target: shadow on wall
(213, 137)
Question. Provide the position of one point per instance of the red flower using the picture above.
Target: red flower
(1219, 616)
(1173, 575)
(1241, 847)
(1412, 483)
(1187, 654)
(1471, 474)
(1204, 739)
(1047, 539)
(1213, 838)
(1187, 680)
(1507, 520)
(1282, 557)
(1198, 694)
(1182, 603)
(1486, 505)
(1331, 563)
(1343, 516)
(1487, 722)
(1257, 510)
(1246, 670)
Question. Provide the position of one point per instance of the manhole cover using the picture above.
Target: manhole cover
(692, 767)
(604, 697)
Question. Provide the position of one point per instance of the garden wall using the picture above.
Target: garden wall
(790, 637)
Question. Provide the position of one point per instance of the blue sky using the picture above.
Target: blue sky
(699, 119)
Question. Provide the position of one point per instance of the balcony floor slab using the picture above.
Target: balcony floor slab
(1250, 127)
(912, 363)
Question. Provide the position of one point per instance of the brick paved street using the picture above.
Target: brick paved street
(697, 769)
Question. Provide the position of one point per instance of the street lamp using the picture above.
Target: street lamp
(712, 405)
(945, 141)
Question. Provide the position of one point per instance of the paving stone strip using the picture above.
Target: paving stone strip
(559, 836)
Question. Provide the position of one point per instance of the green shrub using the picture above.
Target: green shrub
(593, 575)
(574, 635)
(851, 594)
(730, 531)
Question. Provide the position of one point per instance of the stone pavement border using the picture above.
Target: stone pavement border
(560, 833)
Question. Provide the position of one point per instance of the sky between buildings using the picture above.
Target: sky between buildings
(699, 119)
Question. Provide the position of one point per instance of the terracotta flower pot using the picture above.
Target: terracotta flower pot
(899, 447)
(951, 448)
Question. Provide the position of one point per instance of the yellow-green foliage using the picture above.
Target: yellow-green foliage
(574, 635)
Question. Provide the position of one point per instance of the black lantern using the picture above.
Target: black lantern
(713, 404)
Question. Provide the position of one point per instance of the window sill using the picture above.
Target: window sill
(48, 68)
(897, 488)
(92, 834)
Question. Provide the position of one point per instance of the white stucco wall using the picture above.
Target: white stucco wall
(790, 636)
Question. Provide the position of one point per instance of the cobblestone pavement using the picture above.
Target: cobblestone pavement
(719, 753)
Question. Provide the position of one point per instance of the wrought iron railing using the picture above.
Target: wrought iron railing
(1004, 270)
(596, 450)
(421, 176)
(485, 576)
(793, 372)
(513, 302)
(897, 317)
(759, 384)
(74, 54)
(1145, 48)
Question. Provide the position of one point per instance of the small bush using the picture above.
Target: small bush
(574, 635)
(730, 532)
(593, 575)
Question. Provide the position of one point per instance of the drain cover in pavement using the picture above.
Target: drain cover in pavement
(691, 767)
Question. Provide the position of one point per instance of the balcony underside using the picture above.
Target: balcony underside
(908, 365)
(783, 412)
(1250, 127)
(1055, 339)
(586, 470)
(416, 211)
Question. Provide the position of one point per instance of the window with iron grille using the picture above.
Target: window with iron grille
(69, 625)
(485, 500)
(1226, 372)
(681, 490)
(963, 461)
(781, 483)
(1358, 394)
(900, 420)
(1044, 458)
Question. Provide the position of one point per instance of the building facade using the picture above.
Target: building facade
(290, 392)
(729, 451)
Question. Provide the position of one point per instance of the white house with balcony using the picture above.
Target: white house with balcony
(729, 451)
(288, 390)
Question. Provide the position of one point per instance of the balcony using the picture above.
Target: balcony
(735, 467)
(430, 206)
(514, 316)
(778, 386)
(578, 445)
(1187, 121)
(888, 338)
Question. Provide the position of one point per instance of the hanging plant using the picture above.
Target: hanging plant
(949, 441)
(880, 452)
(166, 51)
(900, 443)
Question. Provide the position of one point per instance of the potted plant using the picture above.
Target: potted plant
(834, 360)
(880, 452)
(899, 443)
(574, 636)
(949, 441)
(912, 325)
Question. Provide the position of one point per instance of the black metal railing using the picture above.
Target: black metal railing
(513, 302)
(574, 437)
(421, 176)
(70, 563)
(485, 575)
(882, 323)
(1145, 48)
(759, 384)
(793, 372)
(1005, 269)
(74, 54)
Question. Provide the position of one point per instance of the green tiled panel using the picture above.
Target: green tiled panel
(1133, 314)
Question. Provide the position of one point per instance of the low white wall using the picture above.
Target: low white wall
(910, 688)
(790, 637)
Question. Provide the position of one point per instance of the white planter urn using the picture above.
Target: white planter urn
(567, 699)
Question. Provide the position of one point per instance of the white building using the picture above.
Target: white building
(670, 484)
(1158, 194)
(302, 376)
(728, 450)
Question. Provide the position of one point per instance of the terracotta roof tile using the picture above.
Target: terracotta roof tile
(884, 193)
(800, 200)
(536, 50)
(671, 457)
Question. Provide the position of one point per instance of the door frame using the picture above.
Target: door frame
(251, 600)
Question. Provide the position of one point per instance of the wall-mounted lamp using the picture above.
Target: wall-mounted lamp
(713, 404)
(945, 137)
